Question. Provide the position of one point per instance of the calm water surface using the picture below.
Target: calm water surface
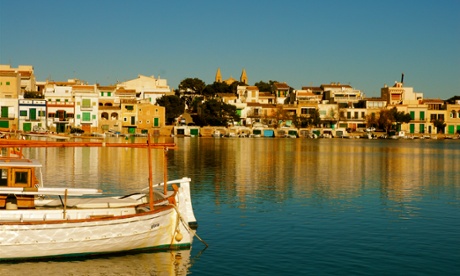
(284, 206)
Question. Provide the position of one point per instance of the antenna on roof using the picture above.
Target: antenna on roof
(402, 78)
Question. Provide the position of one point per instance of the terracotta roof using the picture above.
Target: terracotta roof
(252, 88)
(335, 85)
(312, 88)
(266, 94)
(433, 101)
(281, 85)
(305, 94)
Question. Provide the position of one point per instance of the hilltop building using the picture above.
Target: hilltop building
(229, 81)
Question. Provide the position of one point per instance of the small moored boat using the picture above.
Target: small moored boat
(80, 222)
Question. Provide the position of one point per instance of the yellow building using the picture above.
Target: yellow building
(150, 118)
(229, 81)
(453, 118)
(10, 89)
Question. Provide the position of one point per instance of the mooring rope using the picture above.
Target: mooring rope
(187, 226)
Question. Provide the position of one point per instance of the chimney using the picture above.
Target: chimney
(402, 78)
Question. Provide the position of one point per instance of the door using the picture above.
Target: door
(33, 114)
(27, 126)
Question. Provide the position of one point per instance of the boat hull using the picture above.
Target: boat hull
(145, 231)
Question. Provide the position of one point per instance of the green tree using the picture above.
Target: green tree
(211, 90)
(33, 95)
(314, 118)
(216, 113)
(234, 86)
(399, 116)
(264, 86)
(439, 125)
(385, 120)
(372, 120)
(390, 117)
(192, 86)
(174, 107)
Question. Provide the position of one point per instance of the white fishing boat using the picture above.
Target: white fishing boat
(80, 222)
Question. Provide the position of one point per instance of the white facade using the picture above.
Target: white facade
(32, 115)
(147, 87)
(86, 107)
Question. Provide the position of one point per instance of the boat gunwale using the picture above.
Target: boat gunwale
(158, 209)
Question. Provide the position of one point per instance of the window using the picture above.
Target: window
(21, 177)
(41, 113)
(129, 107)
(3, 177)
(412, 115)
(86, 116)
(109, 94)
(7, 83)
(422, 115)
(23, 113)
(86, 103)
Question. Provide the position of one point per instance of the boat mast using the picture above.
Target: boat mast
(165, 169)
(150, 174)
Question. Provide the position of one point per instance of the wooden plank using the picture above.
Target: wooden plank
(49, 191)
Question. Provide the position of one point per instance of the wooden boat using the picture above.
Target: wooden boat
(81, 222)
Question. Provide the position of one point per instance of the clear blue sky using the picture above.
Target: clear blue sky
(363, 43)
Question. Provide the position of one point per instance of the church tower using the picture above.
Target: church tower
(244, 77)
(218, 76)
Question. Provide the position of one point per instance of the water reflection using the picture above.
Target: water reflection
(276, 169)
(236, 171)
(158, 263)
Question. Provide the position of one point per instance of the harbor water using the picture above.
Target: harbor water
(280, 206)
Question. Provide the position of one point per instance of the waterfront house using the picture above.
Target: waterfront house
(342, 94)
(453, 118)
(150, 118)
(281, 90)
(150, 88)
(10, 89)
(109, 110)
(60, 104)
(436, 110)
(86, 107)
(32, 115)
(128, 104)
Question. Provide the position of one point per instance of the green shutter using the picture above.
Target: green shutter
(422, 115)
(86, 103)
(27, 127)
(422, 128)
(33, 114)
(156, 122)
(86, 116)
(4, 111)
(412, 115)
(4, 124)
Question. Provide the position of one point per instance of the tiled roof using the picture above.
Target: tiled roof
(281, 85)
